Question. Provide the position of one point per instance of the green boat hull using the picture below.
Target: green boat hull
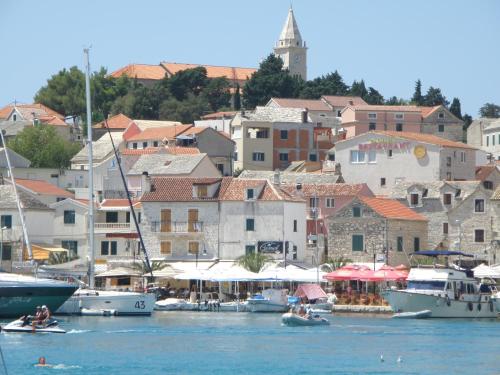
(18, 301)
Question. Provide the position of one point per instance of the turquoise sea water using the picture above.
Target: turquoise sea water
(245, 343)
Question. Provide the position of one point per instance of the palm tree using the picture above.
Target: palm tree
(253, 262)
(336, 263)
(61, 257)
(143, 268)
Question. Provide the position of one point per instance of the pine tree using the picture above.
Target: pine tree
(435, 97)
(490, 110)
(237, 98)
(455, 108)
(417, 98)
(358, 89)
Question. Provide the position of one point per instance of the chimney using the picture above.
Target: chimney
(304, 115)
(277, 177)
(351, 102)
(146, 183)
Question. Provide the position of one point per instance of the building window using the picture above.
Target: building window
(372, 126)
(448, 176)
(448, 161)
(357, 242)
(441, 128)
(72, 246)
(295, 226)
(6, 252)
(399, 127)
(109, 248)
(339, 113)
(14, 117)
(313, 202)
(372, 116)
(479, 235)
(441, 115)
(356, 211)
(134, 145)
(262, 133)
(488, 185)
(416, 244)
(112, 217)
(357, 156)
(284, 134)
(399, 116)
(155, 143)
(283, 156)
(331, 157)
(399, 244)
(193, 247)
(389, 153)
(250, 193)
(447, 199)
(166, 247)
(294, 252)
(330, 202)
(69, 217)
(313, 157)
(250, 225)
(144, 144)
(372, 156)
(6, 221)
(235, 156)
(249, 249)
(462, 157)
(139, 217)
(445, 228)
(414, 199)
(258, 156)
(382, 182)
(127, 217)
(479, 205)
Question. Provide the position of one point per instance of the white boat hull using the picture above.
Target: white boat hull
(123, 303)
(265, 306)
(17, 326)
(402, 301)
(295, 320)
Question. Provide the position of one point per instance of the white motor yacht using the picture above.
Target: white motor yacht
(446, 292)
(271, 300)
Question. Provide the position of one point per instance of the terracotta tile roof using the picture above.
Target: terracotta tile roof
(117, 203)
(43, 188)
(141, 71)
(343, 101)
(392, 209)
(426, 111)
(326, 190)
(119, 121)
(386, 108)
(176, 150)
(180, 189)
(213, 71)
(52, 120)
(160, 133)
(424, 138)
(484, 171)
(217, 115)
(310, 104)
(27, 111)
(140, 151)
(196, 130)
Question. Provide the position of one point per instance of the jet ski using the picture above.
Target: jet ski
(20, 325)
(291, 319)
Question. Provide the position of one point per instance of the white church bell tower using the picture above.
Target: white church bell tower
(291, 48)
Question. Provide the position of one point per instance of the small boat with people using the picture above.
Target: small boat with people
(446, 291)
(293, 320)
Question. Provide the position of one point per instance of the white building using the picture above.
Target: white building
(382, 158)
(224, 218)
(484, 133)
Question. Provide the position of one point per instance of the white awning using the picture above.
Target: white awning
(120, 271)
(483, 270)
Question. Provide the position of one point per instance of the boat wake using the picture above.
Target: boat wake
(76, 331)
(65, 367)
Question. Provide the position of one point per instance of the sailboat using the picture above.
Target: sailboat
(89, 301)
(21, 294)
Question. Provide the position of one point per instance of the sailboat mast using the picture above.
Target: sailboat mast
(18, 201)
(91, 170)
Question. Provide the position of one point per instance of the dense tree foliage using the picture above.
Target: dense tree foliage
(490, 110)
(44, 147)
(434, 97)
(456, 108)
(417, 97)
(268, 82)
(330, 84)
(237, 98)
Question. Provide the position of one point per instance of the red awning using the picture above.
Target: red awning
(350, 272)
(122, 235)
(311, 291)
(387, 273)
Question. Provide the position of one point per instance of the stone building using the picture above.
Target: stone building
(461, 214)
(376, 229)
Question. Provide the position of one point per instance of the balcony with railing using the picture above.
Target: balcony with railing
(179, 227)
(113, 228)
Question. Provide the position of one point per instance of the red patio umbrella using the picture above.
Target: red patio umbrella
(387, 273)
(349, 272)
(402, 267)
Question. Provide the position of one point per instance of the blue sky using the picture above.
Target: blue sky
(451, 44)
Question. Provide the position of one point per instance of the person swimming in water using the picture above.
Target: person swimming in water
(42, 363)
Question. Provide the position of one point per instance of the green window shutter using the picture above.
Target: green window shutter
(357, 242)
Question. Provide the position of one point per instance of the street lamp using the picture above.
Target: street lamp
(1, 242)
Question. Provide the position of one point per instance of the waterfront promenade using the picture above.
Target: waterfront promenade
(245, 343)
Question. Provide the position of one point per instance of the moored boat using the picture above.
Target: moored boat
(447, 292)
(271, 300)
